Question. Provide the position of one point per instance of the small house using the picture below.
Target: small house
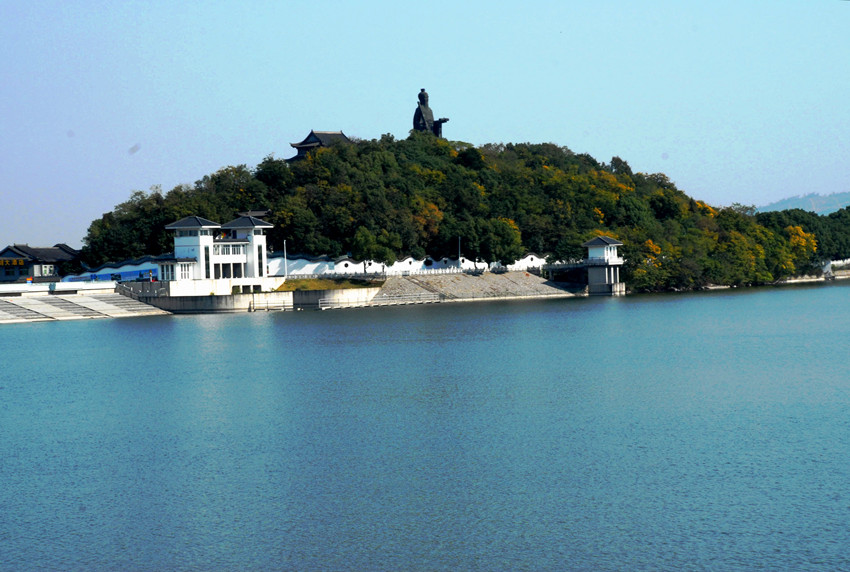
(21, 262)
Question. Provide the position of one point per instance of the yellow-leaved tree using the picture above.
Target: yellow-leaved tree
(803, 244)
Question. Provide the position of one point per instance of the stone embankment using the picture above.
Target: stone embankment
(416, 289)
(17, 309)
(465, 287)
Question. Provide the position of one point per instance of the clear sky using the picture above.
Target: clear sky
(734, 100)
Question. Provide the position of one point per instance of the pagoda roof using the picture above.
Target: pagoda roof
(192, 222)
(602, 241)
(321, 139)
(246, 222)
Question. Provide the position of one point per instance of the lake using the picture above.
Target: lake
(696, 431)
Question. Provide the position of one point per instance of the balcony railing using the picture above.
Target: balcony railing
(599, 261)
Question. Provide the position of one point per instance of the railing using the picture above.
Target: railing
(419, 271)
(509, 294)
(335, 276)
(596, 261)
(136, 289)
(434, 298)
(328, 303)
(269, 306)
(125, 290)
(380, 275)
(430, 297)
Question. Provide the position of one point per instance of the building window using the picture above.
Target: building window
(167, 272)
(237, 249)
(225, 249)
(216, 250)
(185, 271)
(260, 261)
(207, 262)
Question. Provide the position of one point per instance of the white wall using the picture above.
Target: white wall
(220, 287)
(407, 265)
(526, 262)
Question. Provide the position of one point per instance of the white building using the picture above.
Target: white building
(214, 259)
(603, 266)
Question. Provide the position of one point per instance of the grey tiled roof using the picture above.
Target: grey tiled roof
(49, 254)
(325, 138)
(602, 241)
(192, 222)
(246, 222)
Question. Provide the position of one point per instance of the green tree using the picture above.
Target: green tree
(386, 198)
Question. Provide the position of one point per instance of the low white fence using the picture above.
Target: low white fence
(268, 305)
(44, 288)
(379, 275)
(329, 303)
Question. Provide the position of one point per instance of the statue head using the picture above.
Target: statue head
(423, 97)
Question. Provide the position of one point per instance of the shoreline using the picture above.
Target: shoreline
(396, 291)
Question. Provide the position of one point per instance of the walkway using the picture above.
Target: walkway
(17, 309)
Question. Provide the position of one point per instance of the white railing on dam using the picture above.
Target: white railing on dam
(43, 288)
(329, 303)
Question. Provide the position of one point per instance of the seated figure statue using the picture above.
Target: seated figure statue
(423, 117)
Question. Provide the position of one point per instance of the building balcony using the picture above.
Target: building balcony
(603, 261)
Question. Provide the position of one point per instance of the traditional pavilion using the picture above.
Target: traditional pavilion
(318, 139)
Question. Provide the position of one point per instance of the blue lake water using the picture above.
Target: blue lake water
(698, 431)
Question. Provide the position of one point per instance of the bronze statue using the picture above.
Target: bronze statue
(423, 117)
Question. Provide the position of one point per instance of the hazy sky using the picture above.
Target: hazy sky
(736, 101)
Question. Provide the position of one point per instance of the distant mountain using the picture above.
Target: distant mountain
(813, 202)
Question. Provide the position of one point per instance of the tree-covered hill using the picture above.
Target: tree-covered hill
(383, 199)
